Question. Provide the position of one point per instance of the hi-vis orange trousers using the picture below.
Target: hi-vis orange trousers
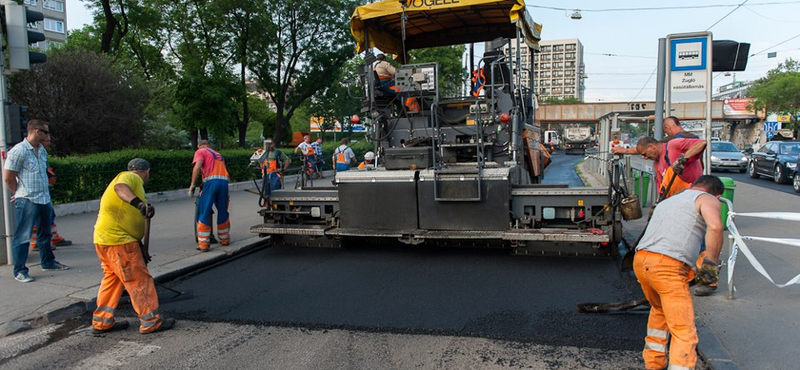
(124, 268)
(665, 282)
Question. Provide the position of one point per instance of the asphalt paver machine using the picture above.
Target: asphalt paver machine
(460, 171)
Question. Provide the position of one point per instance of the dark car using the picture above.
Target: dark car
(796, 177)
(726, 156)
(776, 159)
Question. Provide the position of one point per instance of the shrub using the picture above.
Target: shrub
(86, 178)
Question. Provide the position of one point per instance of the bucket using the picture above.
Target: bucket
(630, 208)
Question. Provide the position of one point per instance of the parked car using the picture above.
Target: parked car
(776, 159)
(796, 177)
(726, 156)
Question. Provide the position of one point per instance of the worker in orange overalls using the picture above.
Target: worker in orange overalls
(211, 165)
(120, 226)
(664, 263)
(271, 167)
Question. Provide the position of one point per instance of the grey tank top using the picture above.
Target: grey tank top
(676, 229)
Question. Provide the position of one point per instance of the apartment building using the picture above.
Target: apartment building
(558, 68)
(54, 25)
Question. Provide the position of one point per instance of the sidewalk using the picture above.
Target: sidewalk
(58, 295)
(758, 328)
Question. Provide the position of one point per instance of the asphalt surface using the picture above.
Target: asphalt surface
(562, 170)
(418, 290)
(761, 182)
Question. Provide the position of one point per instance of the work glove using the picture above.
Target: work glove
(679, 165)
(191, 190)
(149, 210)
(708, 273)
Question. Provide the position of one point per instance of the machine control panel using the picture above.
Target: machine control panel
(416, 79)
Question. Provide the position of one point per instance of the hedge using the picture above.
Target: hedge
(86, 177)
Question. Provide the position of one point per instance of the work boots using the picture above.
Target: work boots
(704, 290)
(119, 325)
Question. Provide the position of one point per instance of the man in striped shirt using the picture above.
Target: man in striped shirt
(25, 175)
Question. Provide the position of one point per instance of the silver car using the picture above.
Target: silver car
(726, 156)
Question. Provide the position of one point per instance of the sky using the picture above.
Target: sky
(631, 36)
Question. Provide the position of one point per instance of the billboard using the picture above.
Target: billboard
(318, 125)
(737, 109)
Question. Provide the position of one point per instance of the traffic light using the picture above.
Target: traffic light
(16, 123)
(19, 36)
(729, 56)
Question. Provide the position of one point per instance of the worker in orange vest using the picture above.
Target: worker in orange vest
(211, 165)
(369, 162)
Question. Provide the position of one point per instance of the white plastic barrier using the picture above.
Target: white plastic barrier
(738, 244)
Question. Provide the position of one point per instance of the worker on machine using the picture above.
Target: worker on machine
(368, 163)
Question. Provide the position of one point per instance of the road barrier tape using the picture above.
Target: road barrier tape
(740, 245)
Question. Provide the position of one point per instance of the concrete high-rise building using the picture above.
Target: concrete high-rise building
(54, 25)
(558, 68)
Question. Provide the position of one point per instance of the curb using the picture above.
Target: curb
(711, 350)
(88, 304)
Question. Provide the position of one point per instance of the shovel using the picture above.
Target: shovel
(145, 246)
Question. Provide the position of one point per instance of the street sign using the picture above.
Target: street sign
(689, 68)
(771, 126)
(784, 118)
(770, 134)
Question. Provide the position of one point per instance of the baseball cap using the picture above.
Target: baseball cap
(138, 164)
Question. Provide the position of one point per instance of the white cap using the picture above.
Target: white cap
(369, 156)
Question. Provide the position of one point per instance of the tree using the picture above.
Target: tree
(91, 107)
(451, 72)
(306, 53)
(333, 102)
(559, 100)
(779, 91)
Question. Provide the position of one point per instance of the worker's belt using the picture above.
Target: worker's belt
(384, 77)
(216, 177)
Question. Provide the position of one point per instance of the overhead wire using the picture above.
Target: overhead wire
(684, 7)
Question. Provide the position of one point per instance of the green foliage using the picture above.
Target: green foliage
(779, 91)
(86, 178)
(334, 102)
(558, 100)
(206, 101)
(305, 55)
(451, 71)
(90, 104)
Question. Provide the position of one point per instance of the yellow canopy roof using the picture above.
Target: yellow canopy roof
(441, 22)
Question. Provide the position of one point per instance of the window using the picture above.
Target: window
(570, 81)
(30, 2)
(556, 81)
(53, 25)
(546, 48)
(558, 65)
(557, 73)
(569, 72)
(544, 90)
(558, 56)
(546, 57)
(570, 64)
(53, 5)
(570, 46)
(546, 74)
(569, 90)
(545, 65)
(569, 55)
(558, 48)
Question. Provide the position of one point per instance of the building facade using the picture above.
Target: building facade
(54, 25)
(733, 90)
(558, 69)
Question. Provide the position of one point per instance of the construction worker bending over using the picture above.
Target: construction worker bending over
(343, 156)
(677, 155)
(671, 126)
(309, 154)
(120, 226)
(211, 165)
(369, 162)
(664, 267)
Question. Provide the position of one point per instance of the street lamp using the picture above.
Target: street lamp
(576, 14)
